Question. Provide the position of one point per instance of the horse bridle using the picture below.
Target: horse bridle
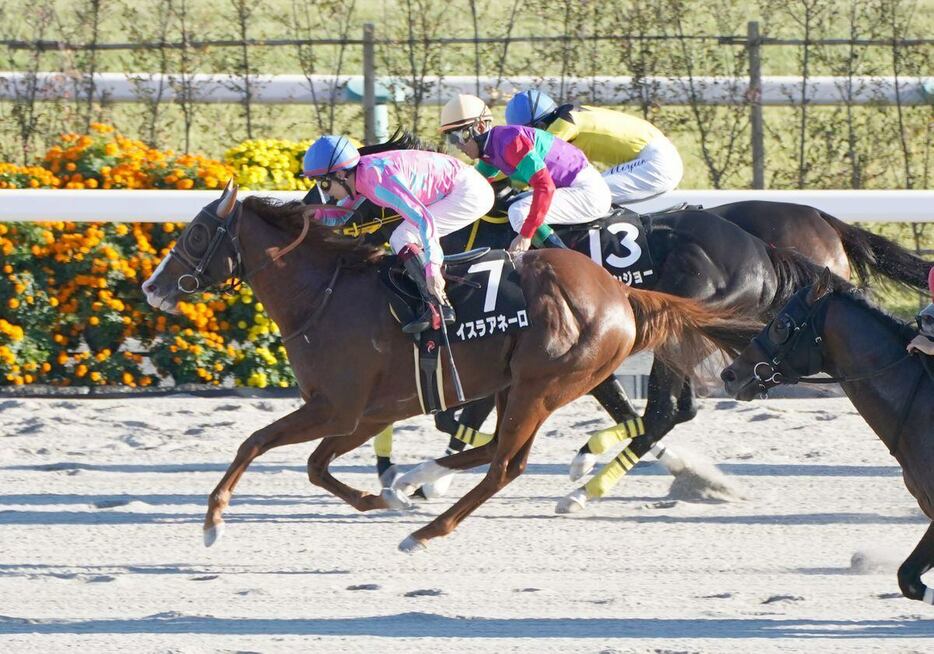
(779, 371)
(223, 230)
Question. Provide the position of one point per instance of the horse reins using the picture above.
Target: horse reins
(792, 343)
(789, 346)
(321, 302)
(225, 228)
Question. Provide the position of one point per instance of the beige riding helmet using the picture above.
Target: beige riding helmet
(464, 110)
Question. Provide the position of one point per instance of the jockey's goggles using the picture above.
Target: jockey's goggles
(925, 322)
(459, 136)
(324, 183)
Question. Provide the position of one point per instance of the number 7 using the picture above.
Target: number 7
(495, 268)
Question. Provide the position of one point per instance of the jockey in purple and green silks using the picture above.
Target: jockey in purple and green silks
(434, 193)
(566, 189)
(533, 157)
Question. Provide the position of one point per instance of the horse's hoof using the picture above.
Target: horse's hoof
(437, 488)
(672, 462)
(929, 595)
(411, 545)
(573, 502)
(213, 534)
(582, 464)
(395, 500)
(420, 475)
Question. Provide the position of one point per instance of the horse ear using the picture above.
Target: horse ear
(822, 286)
(228, 199)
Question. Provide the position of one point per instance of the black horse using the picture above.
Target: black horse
(746, 256)
(828, 328)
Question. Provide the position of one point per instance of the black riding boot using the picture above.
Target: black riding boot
(413, 259)
(545, 237)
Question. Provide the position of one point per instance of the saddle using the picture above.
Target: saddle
(483, 287)
(405, 302)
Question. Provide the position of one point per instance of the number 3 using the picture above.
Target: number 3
(628, 241)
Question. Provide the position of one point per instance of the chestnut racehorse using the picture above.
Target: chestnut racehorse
(355, 367)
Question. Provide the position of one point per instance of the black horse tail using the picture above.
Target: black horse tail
(870, 253)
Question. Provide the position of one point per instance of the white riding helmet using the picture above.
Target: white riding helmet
(464, 111)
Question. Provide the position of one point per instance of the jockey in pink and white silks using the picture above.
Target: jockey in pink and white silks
(434, 193)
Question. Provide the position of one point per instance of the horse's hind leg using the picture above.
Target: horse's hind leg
(660, 418)
(464, 431)
(920, 561)
(613, 398)
(429, 472)
(331, 448)
(525, 412)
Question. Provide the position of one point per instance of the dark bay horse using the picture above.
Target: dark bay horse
(704, 257)
(835, 331)
(699, 257)
(355, 368)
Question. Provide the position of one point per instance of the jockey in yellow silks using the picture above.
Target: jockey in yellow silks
(637, 160)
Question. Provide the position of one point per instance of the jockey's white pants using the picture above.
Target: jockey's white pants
(586, 199)
(471, 199)
(656, 169)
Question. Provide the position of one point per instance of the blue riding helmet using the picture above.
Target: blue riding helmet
(528, 107)
(328, 155)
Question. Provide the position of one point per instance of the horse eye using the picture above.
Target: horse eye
(781, 329)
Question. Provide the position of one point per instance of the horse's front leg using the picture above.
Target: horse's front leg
(312, 420)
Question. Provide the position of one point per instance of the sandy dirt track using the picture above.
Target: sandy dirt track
(101, 503)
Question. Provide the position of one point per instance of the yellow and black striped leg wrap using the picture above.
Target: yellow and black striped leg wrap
(601, 441)
(611, 473)
(471, 436)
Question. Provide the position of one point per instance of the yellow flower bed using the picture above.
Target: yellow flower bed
(70, 302)
(269, 164)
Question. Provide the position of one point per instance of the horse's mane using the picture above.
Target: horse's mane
(289, 217)
(793, 271)
(401, 139)
(857, 297)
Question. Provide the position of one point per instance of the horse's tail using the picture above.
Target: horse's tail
(682, 332)
(870, 253)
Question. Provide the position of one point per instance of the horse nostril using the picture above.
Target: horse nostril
(728, 376)
(149, 288)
